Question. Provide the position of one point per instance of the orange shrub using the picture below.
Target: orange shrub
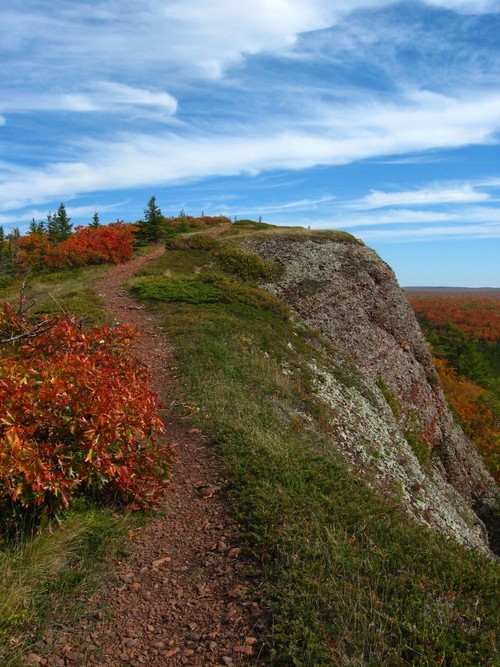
(33, 250)
(93, 245)
(76, 416)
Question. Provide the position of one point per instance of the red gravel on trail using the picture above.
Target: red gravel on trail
(182, 598)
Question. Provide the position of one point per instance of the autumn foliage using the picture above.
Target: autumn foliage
(111, 243)
(476, 412)
(76, 416)
(463, 332)
(476, 314)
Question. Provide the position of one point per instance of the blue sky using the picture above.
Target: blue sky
(379, 118)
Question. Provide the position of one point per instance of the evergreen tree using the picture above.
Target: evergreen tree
(150, 226)
(36, 227)
(2, 242)
(95, 220)
(51, 226)
(13, 241)
(59, 227)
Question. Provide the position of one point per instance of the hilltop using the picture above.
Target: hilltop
(362, 517)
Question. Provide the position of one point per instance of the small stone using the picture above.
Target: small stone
(194, 636)
(251, 641)
(136, 586)
(212, 646)
(125, 657)
(173, 651)
(151, 628)
(244, 650)
(233, 553)
(227, 660)
(32, 659)
(129, 642)
(72, 655)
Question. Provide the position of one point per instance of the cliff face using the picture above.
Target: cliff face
(402, 438)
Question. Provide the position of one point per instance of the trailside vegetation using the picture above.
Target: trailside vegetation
(78, 417)
(78, 427)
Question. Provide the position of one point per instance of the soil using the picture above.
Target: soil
(183, 597)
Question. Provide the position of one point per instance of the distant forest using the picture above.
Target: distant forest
(462, 329)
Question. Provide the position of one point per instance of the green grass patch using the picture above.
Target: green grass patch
(349, 579)
(205, 289)
(71, 291)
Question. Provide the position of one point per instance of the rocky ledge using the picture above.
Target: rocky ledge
(402, 438)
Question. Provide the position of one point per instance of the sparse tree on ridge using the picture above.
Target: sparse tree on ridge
(36, 227)
(150, 226)
(59, 227)
(95, 220)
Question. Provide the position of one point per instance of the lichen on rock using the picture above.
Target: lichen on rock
(343, 289)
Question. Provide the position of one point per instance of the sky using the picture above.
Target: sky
(379, 118)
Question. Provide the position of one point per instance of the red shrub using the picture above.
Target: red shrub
(93, 245)
(76, 416)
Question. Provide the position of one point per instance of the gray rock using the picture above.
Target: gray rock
(344, 290)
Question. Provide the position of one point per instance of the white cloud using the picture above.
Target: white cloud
(340, 136)
(424, 197)
(458, 232)
(102, 96)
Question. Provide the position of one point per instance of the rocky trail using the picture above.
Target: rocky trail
(183, 597)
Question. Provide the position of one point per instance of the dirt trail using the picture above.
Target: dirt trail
(181, 598)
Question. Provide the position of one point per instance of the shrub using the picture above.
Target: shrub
(94, 245)
(77, 416)
(420, 447)
(206, 288)
(247, 265)
(390, 399)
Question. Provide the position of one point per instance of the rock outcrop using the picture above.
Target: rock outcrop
(402, 438)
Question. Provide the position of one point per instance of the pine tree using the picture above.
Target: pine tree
(2, 241)
(13, 241)
(150, 226)
(36, 227)
(59, 227)
(95, 220)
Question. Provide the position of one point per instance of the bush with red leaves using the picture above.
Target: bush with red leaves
(77, 416)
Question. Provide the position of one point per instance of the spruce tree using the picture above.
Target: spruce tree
(150, 229)
(59, 227)
(63, 227)
(95, 220)
(36, 227)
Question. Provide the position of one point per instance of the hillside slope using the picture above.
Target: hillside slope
(343, 289)
(330, 498)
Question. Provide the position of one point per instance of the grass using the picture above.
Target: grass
(350, 581)
(71, 291)
(43, 576)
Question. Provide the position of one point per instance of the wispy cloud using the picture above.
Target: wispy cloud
(341, 136)
(443, 232)
(424, 197)
(103, 96)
